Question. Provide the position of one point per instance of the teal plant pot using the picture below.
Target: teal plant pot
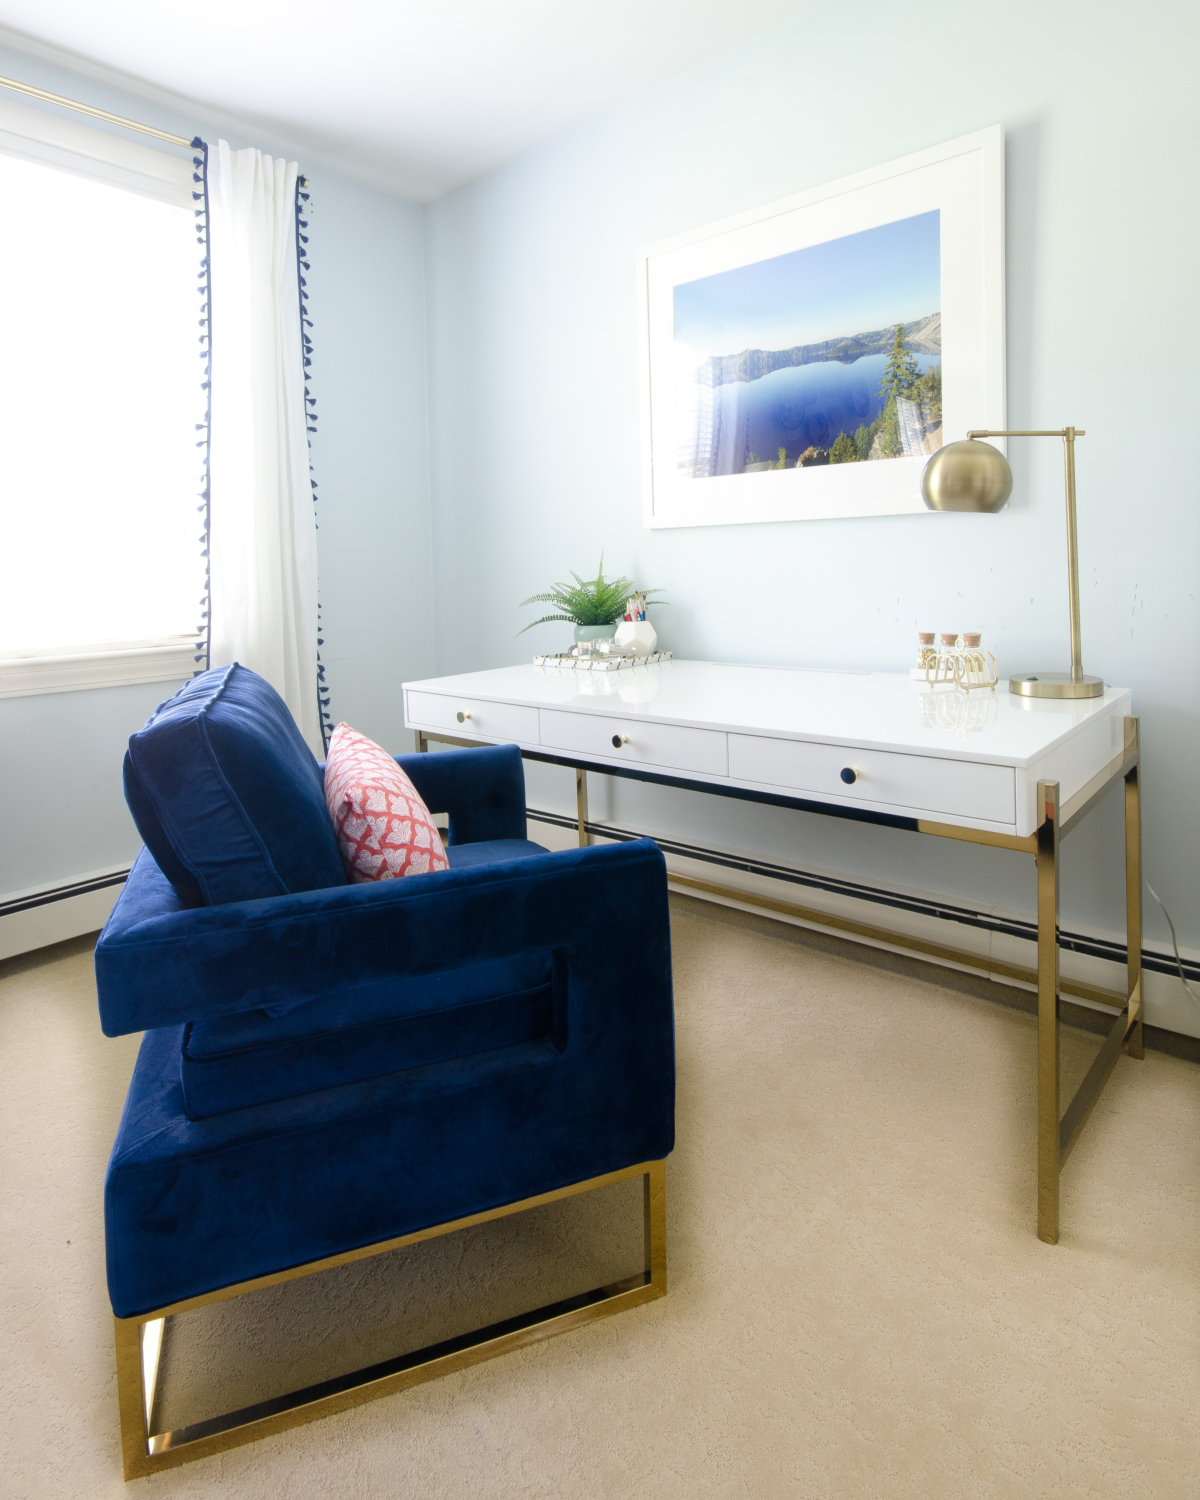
(595, 632)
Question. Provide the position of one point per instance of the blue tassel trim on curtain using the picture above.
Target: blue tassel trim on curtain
(200, 197)
(310, 419)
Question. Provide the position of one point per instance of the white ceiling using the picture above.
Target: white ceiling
(414, 96)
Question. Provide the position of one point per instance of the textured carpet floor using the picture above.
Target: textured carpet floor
(859, 1305)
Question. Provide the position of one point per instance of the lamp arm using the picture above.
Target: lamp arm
(1068, 435)
(1058, 432)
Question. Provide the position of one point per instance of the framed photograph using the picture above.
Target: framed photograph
(805, 359)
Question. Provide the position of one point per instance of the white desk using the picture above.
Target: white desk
(988, 768)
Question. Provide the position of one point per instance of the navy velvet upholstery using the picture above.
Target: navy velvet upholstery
(482, 790)
(192, 1205)
(328, 1065)
(227, 796)
(363, 1030)
(494, 852)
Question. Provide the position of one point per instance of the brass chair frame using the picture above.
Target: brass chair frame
(139, 1340)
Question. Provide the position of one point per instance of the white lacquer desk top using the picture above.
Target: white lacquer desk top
(872, 744)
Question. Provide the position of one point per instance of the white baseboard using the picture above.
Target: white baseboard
(46, 914)
(990, 933)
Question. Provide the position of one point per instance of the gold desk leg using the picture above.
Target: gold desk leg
(582, 805)
(1047, 1053)
(422, 743)
(1133, 893)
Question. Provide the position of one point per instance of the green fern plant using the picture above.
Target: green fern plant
(596, 601)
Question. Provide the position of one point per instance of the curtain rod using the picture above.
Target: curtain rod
(87, 109)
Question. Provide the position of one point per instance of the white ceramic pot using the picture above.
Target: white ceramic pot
(638, 636)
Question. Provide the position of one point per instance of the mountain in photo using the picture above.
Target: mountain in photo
(924, 336)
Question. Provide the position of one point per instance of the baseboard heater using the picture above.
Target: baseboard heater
(41, 916)
(945, 911)
(62, 893)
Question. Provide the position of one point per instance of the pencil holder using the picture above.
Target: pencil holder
(638, 636)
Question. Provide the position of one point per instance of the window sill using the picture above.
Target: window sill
(111, 666)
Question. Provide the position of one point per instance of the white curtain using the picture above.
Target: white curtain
(263, 542)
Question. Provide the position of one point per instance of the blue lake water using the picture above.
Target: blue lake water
(803, 407)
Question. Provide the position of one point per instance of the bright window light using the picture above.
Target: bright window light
(100, 395)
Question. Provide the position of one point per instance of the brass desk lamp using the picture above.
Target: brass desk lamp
(975, 476)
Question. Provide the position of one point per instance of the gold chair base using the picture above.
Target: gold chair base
(139, 1340)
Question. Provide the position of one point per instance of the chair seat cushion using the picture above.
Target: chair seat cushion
(253, 1057)
(190, 1206)
(491, 852)
(227, 796)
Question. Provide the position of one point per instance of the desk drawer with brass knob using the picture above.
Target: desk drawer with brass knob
(469, 718)
(672, 746)
(922, 783)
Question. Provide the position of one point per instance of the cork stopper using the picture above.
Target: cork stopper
(972, 639)
(949, 640)
(925, 637)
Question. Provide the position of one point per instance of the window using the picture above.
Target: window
(101, 575)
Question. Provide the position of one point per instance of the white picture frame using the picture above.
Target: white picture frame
(690, 477)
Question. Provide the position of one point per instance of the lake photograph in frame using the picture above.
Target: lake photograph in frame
(830, 354)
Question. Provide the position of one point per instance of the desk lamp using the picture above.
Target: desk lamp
(975, 476)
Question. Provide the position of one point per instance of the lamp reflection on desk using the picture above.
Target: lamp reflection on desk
(974, 476)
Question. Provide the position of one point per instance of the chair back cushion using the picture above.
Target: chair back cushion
(227, 796)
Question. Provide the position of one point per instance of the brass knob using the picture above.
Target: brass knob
(619, 740)
(462, 717)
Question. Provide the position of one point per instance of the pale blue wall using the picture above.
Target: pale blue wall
(535, 431)
(535, 419)
(367, 304)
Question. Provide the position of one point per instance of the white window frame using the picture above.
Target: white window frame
(49, 139)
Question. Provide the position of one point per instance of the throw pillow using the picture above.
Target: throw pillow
(383, 827)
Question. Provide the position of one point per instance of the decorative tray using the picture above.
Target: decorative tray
(600, 663)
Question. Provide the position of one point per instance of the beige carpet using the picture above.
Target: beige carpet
(859, 1305)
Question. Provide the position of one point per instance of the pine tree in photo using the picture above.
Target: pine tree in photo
(901, 374)
(931, 394)
(863, 438)
(843, 451)
(889, 435)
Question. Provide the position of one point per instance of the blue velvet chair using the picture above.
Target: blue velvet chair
(330, 1071)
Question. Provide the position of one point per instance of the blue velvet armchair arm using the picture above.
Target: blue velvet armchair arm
(161, 964)
(483, 790)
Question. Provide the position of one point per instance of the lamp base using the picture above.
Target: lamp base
(1056, 685)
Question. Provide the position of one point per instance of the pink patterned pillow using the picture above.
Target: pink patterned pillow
(383, 828)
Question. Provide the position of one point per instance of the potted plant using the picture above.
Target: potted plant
(594, 606)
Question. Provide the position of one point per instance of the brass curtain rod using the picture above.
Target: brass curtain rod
(99, 114)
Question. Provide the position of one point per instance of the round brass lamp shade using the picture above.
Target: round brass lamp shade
(967, 476)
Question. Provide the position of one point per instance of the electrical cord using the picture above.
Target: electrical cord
(1174, 943)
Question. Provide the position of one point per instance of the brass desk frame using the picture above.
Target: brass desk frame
(1057, 1131)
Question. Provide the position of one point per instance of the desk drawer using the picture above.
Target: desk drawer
(949, 788)
(489, 721)
(670, 745)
